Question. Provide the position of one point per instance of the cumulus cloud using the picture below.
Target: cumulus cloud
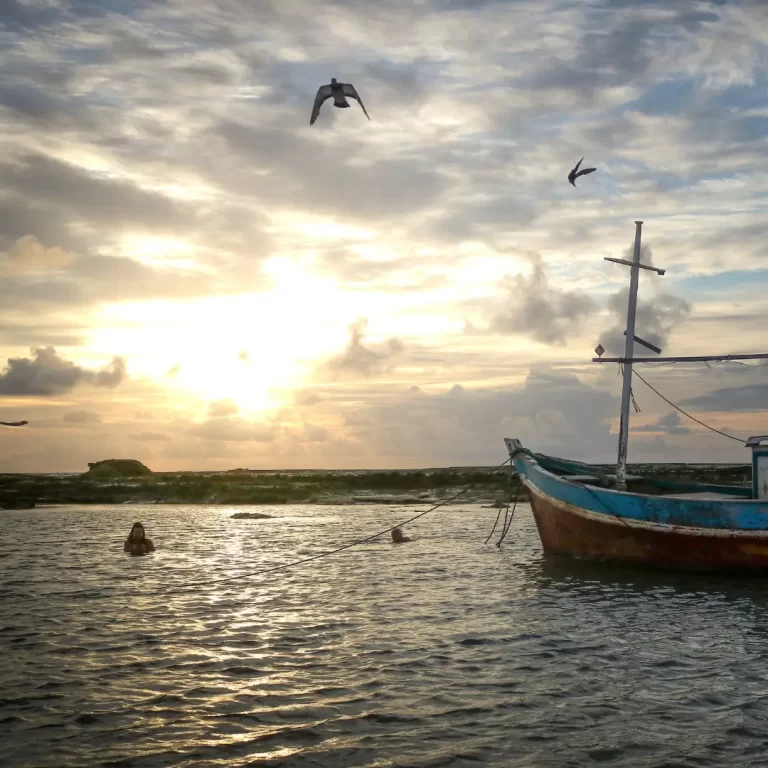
(45, 373)
(29, 255)
(535, 308)
(552, 412)
(655, 319)
(357, 359)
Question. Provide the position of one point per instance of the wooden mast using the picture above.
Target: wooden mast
(626, 389)
(628, 359)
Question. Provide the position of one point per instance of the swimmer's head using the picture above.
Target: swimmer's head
(397, 534)
(137, 532)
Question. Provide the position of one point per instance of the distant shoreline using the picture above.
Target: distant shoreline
(337, 488)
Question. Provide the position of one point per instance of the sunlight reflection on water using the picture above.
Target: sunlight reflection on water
(438, 652)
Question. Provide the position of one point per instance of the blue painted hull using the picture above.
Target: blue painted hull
(589, 521)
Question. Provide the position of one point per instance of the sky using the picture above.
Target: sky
(194, 277)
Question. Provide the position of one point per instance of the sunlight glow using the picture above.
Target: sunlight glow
(163, 252)
(317, 226)
(284, 333)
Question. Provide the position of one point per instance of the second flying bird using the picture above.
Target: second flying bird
(339, 91)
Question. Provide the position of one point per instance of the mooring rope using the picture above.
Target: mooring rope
(505, 529)
(351, 544)
(498, 515)
(180, 589)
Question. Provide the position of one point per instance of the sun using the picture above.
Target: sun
(253, 348)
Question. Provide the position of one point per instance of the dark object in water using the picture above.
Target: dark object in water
(137, 542)
(398, 537)
(250, 516)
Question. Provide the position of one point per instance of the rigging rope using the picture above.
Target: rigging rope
(740, 439)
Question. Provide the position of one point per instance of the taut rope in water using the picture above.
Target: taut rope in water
(351, 544)
(505, 528)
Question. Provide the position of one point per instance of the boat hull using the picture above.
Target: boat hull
(566, 529)
(576, 515)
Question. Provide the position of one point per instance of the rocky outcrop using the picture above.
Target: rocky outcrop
(250, 516)
(117, 468)
(16, 502)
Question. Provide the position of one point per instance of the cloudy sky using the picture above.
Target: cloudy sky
(195, 277)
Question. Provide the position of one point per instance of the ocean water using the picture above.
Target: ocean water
(439, 652)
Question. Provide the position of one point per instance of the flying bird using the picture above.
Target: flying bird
(339, 91)
(575, 173)
(13, 423)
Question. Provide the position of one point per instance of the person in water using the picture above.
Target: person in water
(397, 536)
(137, 542)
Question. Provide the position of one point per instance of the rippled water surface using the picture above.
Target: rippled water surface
(439, 652)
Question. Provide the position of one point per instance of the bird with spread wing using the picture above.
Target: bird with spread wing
(339, 92)
(575, 173)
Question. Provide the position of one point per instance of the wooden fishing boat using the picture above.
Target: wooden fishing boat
(584, 511)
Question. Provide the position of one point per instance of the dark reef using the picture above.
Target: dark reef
(111, 486)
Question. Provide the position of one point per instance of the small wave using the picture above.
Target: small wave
(384, 717)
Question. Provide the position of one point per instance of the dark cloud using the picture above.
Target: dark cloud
(655, 320)
(82, 417)
(295, 170)
(211, 73)
(96, 200)
(752, 397)
(111, 376)
(670, 424)
(358, 359)
(614, 54)
(18, 15)
(21, 331)
(551, 412)
(406, 82)
(48, 374)
(534, 308)
(41, 107)
(128, 46)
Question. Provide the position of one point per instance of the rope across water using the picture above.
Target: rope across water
(183, 588)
